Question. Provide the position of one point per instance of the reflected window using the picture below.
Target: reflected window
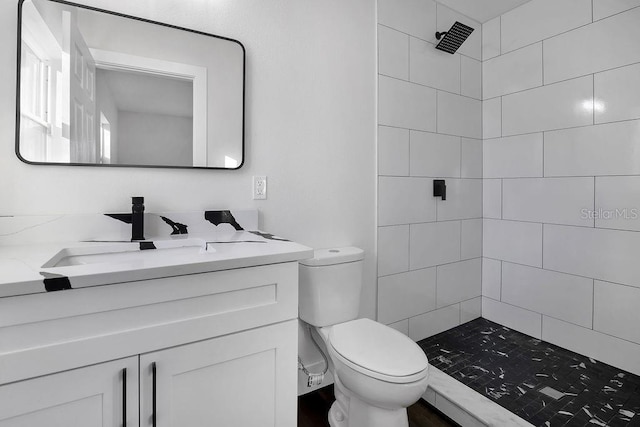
(34, 98)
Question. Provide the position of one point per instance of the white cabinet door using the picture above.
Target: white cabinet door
(245, 379)
(94, 396)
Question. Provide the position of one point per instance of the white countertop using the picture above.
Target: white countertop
(22, 271)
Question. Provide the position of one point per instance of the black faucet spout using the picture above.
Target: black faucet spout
(137, 218)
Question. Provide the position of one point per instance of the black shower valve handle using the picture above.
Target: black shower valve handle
(440, 189)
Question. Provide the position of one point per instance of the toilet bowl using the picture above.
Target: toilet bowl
(377, 370)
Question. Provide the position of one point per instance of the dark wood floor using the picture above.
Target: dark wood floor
(314, 407)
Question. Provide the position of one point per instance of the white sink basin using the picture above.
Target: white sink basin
(113, 253)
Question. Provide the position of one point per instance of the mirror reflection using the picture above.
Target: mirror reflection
(97, 88)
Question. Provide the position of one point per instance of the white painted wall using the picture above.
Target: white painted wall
(310, 127)
(429, 127)
(561, 171)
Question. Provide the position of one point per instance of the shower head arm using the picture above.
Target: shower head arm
(439, 34)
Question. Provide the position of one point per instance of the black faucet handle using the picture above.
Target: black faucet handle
(137, 204)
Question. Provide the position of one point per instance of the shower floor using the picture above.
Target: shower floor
(515, 370)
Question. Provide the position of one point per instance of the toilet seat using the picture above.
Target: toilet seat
(378, 351)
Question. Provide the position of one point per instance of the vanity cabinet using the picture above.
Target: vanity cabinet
(93, 396)
(216, 348)
(242, 379)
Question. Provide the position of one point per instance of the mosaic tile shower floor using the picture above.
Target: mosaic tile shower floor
(514, 369)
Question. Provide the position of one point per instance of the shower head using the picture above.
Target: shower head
(453, 38)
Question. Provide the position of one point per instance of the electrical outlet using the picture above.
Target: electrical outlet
(259, 187)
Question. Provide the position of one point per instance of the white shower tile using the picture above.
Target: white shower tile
(518, 242)
(459, 115)
(491, 39)
(405, 200)
(492, 278)
(434, 322)
(617, 202)
(434, 243)
(492, 118)
(406, 105)
(473, 45)
(464, 200)
(393, 151)
(557, 106)
(513, 71)
(415, 17)
(434, 155)
(606, 44)
(608, 149)
(405, 295)
(604, 8)
(614, 351)
(393, 53)
(541, 19)
(548, 200)
(608, 255)
(492, 198)
(471, 242)
(393, 249)
(615, 310)
(401, 326)
(521, 320)
(616, 94)
(470, 309)
(458, 282)
(471, 78)
(514, 157)
(432, 67)
(559, 295)
(471, 162)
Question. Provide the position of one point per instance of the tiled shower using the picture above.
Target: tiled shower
(535, 126)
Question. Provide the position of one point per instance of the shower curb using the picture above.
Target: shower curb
(466, 406)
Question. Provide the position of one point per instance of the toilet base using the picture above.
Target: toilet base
(349, 411)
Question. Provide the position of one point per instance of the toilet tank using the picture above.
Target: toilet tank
(330, 283)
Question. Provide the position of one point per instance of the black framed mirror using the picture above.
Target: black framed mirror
(99, 88)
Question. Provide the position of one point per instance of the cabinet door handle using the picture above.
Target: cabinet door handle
(153, 394)
(124, 397)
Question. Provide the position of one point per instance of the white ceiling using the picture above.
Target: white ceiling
(147, 93)
(482, 10)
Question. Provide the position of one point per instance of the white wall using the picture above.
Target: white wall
(310, 127)
(429, 126)
(552, 156)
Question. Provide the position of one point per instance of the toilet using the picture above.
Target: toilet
(378, 371)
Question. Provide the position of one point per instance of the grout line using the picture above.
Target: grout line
(500, 41)
(593, 303)
(559, 272)
(542, 52)
(409, 57)
(501, 198)
(430, 87)
(543, 170)
(593, 99)
(617, 13)
(501, 264)
(594, 200)
(542, 251)
(437, 96)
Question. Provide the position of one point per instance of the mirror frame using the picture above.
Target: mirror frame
(95, 9)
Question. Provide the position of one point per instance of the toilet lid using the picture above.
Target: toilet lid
(378, 348)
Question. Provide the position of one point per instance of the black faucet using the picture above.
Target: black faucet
(137, 218)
